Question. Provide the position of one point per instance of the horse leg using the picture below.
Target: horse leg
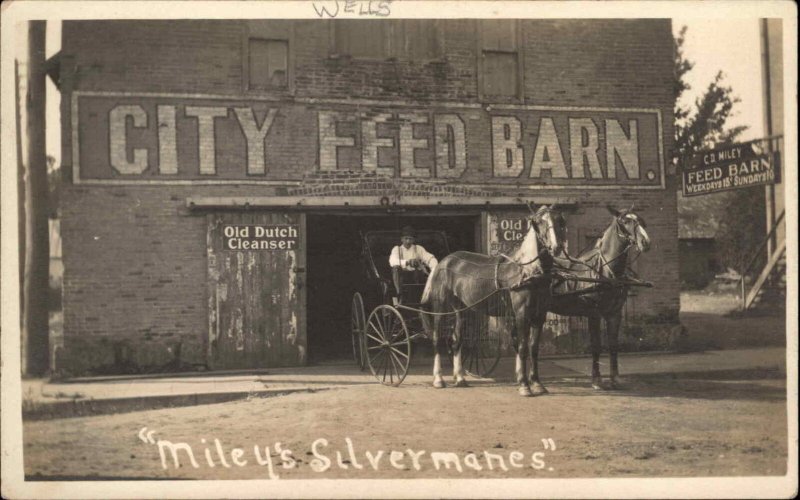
(458, 367)
(438, 382)
(612, 327)
(523, 336)
(536, 326)
(594, 337)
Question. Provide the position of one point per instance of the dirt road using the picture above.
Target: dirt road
(705, 424)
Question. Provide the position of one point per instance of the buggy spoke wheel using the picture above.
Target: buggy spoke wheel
(387, 341)
(357, 322)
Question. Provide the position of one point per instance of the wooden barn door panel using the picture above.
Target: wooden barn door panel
(256, 297)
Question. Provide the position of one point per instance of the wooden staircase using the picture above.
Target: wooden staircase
(768, 289)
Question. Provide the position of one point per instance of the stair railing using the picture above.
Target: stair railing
(765, 264)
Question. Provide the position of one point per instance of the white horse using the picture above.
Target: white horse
(466, 279)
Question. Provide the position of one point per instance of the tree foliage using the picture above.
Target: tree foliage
(741, 228)
(704, 125)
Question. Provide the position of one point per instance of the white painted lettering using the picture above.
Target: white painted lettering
(395, 458)
(451, 146)
(265, 461)
(236, 457)
(622, 147)
(584, 153)
(374, 460)
(494, 456)
(415, 458)
(255, 137)
(471, 461)
(537, 460)
(352, 454)
(329, 142)
(547, 155)
(205, 130)
(370, 142)
(174, 448)
(507, 155)
(409, 143)
(167, 140)
(446, 459)
(320, 463)
(118, 138)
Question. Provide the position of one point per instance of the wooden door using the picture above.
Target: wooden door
(257, 299)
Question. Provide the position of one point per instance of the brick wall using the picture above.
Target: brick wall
(136, 260)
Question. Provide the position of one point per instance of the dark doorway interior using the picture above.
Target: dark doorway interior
(335, 271)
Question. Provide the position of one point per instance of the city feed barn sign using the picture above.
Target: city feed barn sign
(165, 139)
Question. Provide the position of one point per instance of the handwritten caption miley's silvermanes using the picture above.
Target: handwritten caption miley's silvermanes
(324, 457)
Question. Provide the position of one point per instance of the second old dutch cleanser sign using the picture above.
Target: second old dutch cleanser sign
(731, 167)
(169, 139)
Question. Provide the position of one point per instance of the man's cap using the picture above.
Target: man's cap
(409, 231)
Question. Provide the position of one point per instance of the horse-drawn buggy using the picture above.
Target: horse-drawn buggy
(470, 302)
(385, 326)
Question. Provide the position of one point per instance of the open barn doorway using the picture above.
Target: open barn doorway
(335, 269)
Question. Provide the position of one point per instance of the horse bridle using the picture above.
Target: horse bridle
(630, 241)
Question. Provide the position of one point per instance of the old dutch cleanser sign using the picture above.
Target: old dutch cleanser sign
(732, 167)
(174, 139)
(270, 237)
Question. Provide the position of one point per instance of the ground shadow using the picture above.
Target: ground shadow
(749, 384)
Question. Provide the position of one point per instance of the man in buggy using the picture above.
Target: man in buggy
(408, 262)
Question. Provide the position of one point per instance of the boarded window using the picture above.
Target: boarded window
(360, 38)
(499, 35)
(499, 58)
(418, 39)
(499, 74)
(268, 63)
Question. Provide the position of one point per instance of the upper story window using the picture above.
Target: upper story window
(267, 56)
(500, 61)
(414, 39)
(362, 38)
(269, 64)
(419, 38)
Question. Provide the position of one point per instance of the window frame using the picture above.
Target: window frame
(519, 40)
(392, 49)
(251, 34)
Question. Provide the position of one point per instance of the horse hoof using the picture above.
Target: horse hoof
(539, 389)
(525, 391)
(439, 384)
(616, 385)
(461, 383)
(597, 385)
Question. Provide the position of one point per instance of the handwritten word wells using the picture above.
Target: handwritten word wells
(352, 8)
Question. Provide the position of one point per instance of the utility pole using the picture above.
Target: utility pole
(35, 324)
(21, 220)
(767, 100)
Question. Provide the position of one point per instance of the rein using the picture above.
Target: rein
(621, 234)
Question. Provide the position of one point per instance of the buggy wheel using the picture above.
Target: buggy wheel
(357, 321)
(387, 345)
(481, 345)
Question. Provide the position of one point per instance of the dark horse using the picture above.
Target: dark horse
(608, 259)
(466, 279)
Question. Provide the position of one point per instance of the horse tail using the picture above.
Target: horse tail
(426, 293)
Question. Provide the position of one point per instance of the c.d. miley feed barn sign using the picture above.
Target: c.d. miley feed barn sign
(154, 139)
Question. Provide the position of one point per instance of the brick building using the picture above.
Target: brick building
(176, 132)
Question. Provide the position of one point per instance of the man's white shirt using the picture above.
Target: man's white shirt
(401, 255)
